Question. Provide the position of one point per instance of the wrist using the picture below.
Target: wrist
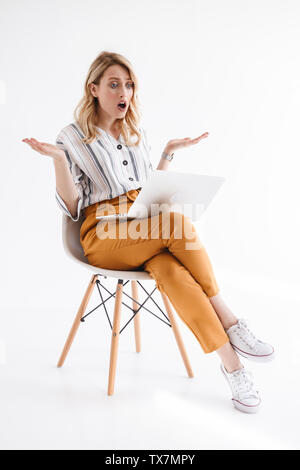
(168, 151)
(167, 154)
(60, 161)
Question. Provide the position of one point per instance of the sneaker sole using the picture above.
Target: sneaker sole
(252, 357)
(250, 409)
(246, 408)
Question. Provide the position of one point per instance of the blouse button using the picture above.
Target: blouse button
(125, 162)
(119, 146)
(131, 179)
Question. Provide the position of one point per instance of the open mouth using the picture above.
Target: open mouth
(122, 106)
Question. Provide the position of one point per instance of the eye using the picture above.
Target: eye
(130, 84)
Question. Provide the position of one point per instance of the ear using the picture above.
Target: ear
(92, 88)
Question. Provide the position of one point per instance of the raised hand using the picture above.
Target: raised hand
(43, 148)
(177, 144)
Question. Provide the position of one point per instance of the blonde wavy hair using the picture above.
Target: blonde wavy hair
(85, 112)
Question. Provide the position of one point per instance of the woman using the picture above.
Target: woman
(98, 165)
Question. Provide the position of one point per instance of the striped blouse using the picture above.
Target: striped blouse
(104, 169)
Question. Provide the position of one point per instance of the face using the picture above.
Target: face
(115, 86)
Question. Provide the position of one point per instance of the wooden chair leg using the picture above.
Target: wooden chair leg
(177, 334)
(115, 338)
(136, 319)
(78, 317)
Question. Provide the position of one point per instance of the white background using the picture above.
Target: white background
(230, 68)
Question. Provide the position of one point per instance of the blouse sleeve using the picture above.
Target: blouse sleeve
(148, 148)
(77, 175)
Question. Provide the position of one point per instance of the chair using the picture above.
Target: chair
(73, 248)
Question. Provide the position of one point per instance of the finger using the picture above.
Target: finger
(203, 136)
(38, 144)
(34, 146)
(40, 148)
(34, 141)
(28, 141)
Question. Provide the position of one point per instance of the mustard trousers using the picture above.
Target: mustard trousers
(158, 244)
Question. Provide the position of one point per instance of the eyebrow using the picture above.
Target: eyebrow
(117, 78)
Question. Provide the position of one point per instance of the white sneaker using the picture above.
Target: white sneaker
(244, 397)
(247, 345)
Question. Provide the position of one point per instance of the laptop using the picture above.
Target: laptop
(166, 191)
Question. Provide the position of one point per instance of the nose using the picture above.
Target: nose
(124, 97)
(124, 91)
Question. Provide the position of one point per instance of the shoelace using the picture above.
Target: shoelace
(242, 383)
(246, 335)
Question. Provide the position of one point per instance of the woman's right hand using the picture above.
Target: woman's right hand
(46, 149)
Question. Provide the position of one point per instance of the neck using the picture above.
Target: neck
(107, 123)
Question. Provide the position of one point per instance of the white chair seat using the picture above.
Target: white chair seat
(73, 248)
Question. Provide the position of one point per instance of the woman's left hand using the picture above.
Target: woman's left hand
(177, 144)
